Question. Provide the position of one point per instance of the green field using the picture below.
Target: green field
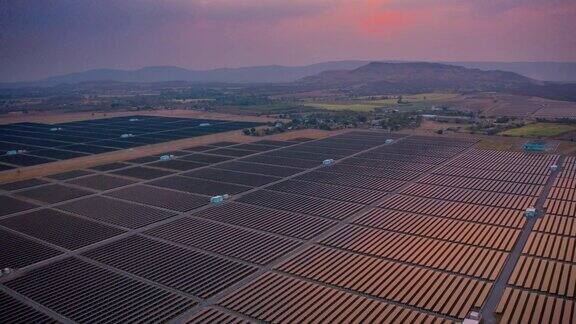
(408, 101)
(431, 96)
(540, 130)
(344, 106)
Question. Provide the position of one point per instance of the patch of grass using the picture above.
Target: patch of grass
(364, 104)
(539, 130)
(344, 106)
(495, 143)
(433, 96)
(382, 102)
(279, 108)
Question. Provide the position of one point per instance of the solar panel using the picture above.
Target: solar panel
(116, 144)
(24, 160)
(53, 193)
(111, 166)
(163, 198)
(212, 315)
(239, 243)
(254, 180)
(61, 229)
(179, 165)
(101, 182)
(206, 158)
(15, 311)
(322, 190)
(254, 147)
(199, 148)
(27, 252)
(70, 174)
(57, 154)
(142, 172)
(22, 184)
(192, 272)
(301, 204)
(116, 212)
(75, 139)
(199, 186)
(230, 152)
(9, 205)
(425, 223)
(265, 169)
(266, 219)
(92, 149)
(282, 161)
(87, 293)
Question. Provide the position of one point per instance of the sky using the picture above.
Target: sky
(41, 38)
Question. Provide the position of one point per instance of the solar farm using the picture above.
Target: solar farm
(361, 226)
(28, 144)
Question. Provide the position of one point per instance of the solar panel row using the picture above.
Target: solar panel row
(87, 293)
(389, 234)
(14, 311)
(451, 228)
(28, 144)
(282, 299)
(435, 291)
(479, 262)
(541, 287)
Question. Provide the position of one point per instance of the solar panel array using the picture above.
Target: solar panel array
(417, 230)
(542, 288)
(27, 144)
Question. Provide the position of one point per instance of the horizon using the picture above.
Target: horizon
(61, 37)
(285, 66)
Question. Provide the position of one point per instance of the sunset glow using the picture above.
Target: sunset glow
(60, 36)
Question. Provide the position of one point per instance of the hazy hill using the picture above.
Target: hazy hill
(388, 78)
(257, 74)
(545, 71)
(417, 77)
(548, 71)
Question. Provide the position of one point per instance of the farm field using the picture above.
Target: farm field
(540, 130)
(344, 106)
(367, 104)
(421, 97)
(297, 241)
(507, 105)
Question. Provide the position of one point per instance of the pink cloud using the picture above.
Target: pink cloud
(59, 36)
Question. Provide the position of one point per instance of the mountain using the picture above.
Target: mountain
(545, 71)
(416, 77)
(273, 73)
(148, 74)
(256, 74)
(400, 78)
